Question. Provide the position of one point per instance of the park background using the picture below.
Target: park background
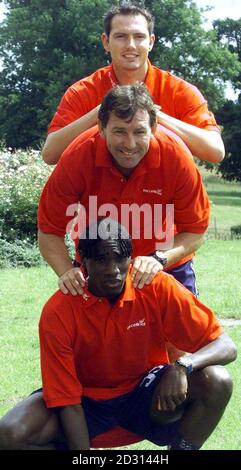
(44, 47)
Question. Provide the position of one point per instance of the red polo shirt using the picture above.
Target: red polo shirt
(166, 175)
(93, 348)
(176, 97)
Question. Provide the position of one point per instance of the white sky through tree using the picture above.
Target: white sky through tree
(221, 9)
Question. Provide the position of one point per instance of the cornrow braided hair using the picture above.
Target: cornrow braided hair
(104, 229)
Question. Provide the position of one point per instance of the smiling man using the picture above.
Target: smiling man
(105, 366)
(128, 140)
(137, 178)
(129, 37)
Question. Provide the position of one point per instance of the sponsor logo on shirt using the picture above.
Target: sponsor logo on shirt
(137, 324)
(154, 191)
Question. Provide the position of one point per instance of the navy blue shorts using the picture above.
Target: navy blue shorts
(131, 411)
(185, 274)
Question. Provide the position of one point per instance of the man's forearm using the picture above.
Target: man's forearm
(54, 251)
(59, 140)
(221, 351)
(75, 428)
(204, 144)
(184, 244)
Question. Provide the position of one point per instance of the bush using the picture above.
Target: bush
(20, 253)
(22, 177)
(236, 231)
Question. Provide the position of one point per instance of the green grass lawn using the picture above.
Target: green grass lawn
(225, 197)
(23, 293)
(218, 265)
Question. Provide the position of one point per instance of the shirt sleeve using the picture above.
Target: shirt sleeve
(190, 199)
(61, 386)
(193, 108)
(69, 109)
(77, 101)
(187, 323)
(58, 204)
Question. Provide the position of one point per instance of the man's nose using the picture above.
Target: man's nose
(130, 141)
(131, 42)
(112, 268)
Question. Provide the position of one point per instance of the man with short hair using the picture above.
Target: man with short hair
(129, 38)
(105, 366)
(124, 169)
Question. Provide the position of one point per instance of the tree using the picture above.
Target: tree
(229, 32)
(230, 116)
(44, 48)
(47, 45)
(186, 48)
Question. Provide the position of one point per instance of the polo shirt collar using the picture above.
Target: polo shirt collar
(112, 76)
(128, 294)
(151, 160)
(149, 79)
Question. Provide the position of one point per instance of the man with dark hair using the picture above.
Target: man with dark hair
(123, 169)
(104, 362)
(128, 9)
(124, 102)
(129, 38)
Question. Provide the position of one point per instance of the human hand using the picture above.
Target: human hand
(72, 282)
(172, 389)
(144, 269)
(160, 115)
(157, 107)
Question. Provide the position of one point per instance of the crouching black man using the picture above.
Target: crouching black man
(104, 360)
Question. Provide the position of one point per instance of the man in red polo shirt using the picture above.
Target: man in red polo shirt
(129, 38)
(128, 172)
(105, 366)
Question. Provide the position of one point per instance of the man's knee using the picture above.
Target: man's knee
(215, 385)
(167, 417)
(13, 436)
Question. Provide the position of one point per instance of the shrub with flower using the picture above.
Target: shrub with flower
(22, 177)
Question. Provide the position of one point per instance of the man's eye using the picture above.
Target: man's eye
(122, 258)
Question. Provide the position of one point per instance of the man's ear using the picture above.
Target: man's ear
(153, 129)
(105, 42)
(152, 40)
(101, 129)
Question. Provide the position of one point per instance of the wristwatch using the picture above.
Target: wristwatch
(186, 364)
(160, 256)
